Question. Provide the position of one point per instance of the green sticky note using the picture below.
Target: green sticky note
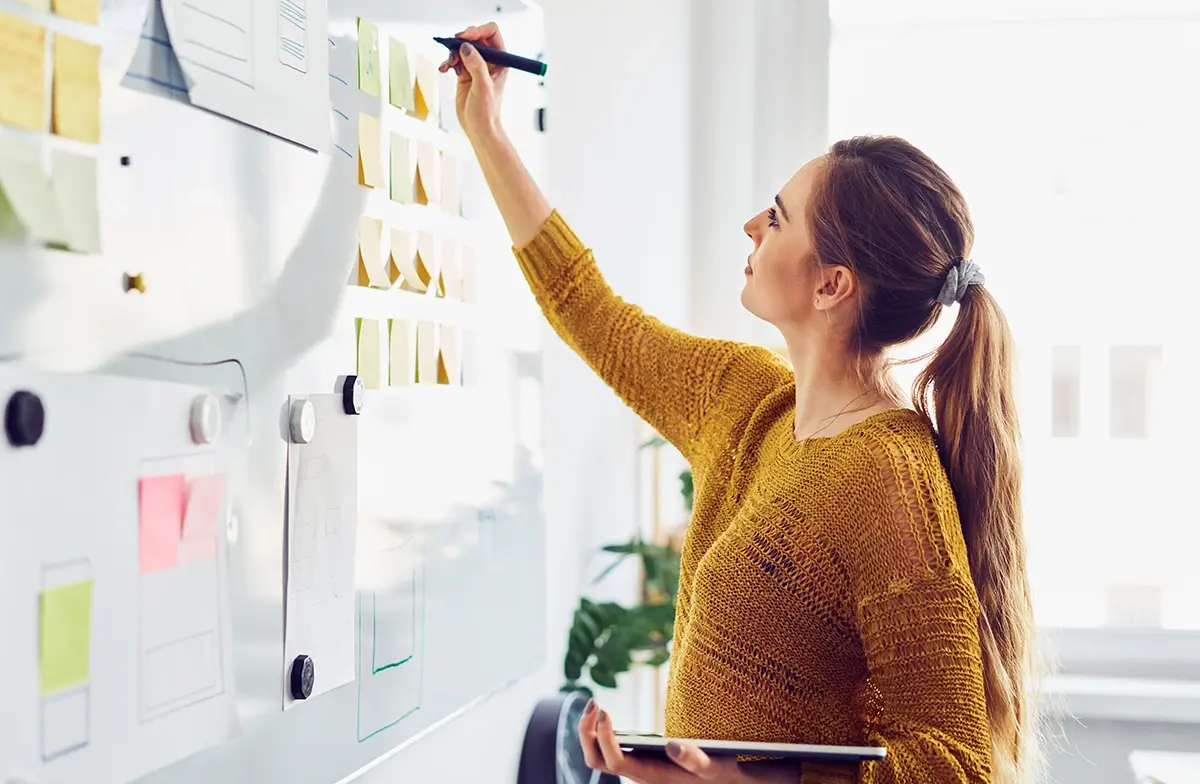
(400, 80)
(368, 57)
(64, 646)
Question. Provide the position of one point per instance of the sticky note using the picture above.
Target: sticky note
(469, 271)
(75, 197)
(402, 171)
(76, 110)
(450, 269)
(64, 641)
(450, 193)
(401, 256)
(27, 203)
(160, 521)
(425, 98)
(368, 57)
(203, 518)
(426, 189)
(368, 352)
(427, 354)
(400, 80)
(449, 369)
(427, 261)
(86, 11)
(401, 368)
(22, 73)
(370, 164)
(370, 254)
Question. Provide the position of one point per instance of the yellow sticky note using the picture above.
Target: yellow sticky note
(368, 58)
(425, 98)
(370, 253)
(402, 172)
(22, 73)
(370, 164)
(469, 271)
(368, 352)
(427, 187)
(451, 269)
(400, 80)
(401, 369)
(64, 645)
(86, 11)
(449, 362)
(451, 198)
(76, 89)
(427, 353)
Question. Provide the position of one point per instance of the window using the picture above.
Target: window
(1132, 371)
(1065, 381)
(1061, 121)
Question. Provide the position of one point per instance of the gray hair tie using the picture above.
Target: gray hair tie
(961, 276)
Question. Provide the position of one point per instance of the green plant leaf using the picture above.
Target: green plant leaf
(603, 677)
(656, 441)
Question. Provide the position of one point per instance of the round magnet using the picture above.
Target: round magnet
(303, 421)
(353, 393)
(24, 418)
(206, 419)
(302, 677)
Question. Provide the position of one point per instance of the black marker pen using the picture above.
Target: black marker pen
(497, 56)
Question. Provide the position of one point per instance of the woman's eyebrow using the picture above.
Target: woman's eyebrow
(782, 209)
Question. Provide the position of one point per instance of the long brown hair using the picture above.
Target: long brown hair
(887, 212)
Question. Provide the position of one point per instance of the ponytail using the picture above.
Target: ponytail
(969, 383)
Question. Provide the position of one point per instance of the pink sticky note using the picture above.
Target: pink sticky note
(160, 520)
(202, 518)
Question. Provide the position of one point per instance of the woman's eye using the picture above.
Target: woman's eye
(772, 218)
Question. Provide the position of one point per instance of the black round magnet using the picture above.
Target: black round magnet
(302, 677)
(352, 395)
(24, 418)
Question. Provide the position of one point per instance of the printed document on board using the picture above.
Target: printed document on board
(262, 62)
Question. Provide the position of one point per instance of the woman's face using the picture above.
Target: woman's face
(785, 285)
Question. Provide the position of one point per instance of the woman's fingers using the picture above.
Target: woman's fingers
(587, 738)
(486, 34)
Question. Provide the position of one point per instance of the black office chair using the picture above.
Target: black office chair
(551, 753)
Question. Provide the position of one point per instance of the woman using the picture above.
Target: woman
(851, 575)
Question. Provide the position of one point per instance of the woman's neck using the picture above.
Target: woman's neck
(831, 392)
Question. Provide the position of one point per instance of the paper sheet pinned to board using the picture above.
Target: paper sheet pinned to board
(211, 54)
(322, 524)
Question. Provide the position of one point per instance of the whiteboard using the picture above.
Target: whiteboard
(245, 243)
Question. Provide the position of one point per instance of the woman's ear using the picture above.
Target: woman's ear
(835, 285)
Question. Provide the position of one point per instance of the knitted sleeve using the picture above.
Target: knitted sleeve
(917, 615)
(667, 376)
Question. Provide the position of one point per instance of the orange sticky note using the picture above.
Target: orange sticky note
(76, 111)
(202, 521)
(160, 521)
(22, 73)
(86, 11)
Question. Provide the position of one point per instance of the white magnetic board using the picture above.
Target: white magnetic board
(245, 243)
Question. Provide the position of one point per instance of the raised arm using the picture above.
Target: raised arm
(670, 378)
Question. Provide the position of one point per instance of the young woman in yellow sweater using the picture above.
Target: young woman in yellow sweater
(851, 575)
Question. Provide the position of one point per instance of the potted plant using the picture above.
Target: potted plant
(608, 638)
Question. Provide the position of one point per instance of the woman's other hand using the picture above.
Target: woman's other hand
(687, 765)
(480, 84)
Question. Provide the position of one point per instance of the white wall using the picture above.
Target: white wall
(617, 157)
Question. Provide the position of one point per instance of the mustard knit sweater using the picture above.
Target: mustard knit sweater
(824, 595)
